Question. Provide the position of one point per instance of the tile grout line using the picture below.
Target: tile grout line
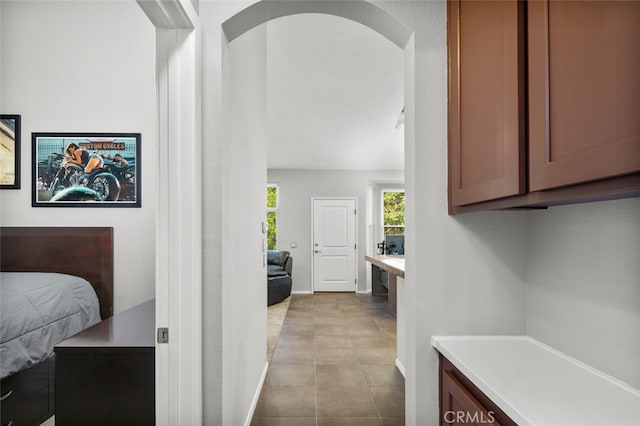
(346, 318)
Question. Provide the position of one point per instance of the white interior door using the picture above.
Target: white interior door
(334, 244)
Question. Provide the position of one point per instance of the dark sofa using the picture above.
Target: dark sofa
(279, 281)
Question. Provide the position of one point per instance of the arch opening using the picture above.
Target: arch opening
(243, 23)
(357, 10)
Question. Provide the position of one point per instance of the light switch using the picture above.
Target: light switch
(294, 245)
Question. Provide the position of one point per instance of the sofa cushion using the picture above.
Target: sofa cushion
(278, 288)
(274, 269)
(277, 257)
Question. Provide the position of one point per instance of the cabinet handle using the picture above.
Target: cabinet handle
(5, 396)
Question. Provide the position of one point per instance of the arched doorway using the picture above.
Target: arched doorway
(190, 391)
(241, 372)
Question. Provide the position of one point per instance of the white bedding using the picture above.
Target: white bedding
(39, 310)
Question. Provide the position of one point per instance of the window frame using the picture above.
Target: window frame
(273, 210)
(383, 226)
(277, 187)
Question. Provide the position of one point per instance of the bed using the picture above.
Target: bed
(63, 277)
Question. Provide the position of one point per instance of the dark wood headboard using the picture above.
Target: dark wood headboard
(85, 252)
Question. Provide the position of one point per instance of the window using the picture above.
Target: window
(272, 207)
(393, 212)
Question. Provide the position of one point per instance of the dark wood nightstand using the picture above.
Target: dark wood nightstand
(105, 375)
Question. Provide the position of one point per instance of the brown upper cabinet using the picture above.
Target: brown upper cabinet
(565, 128)
(486, 100)
(584, 91)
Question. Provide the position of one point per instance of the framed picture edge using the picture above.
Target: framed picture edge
(17, 150)
(114, 204)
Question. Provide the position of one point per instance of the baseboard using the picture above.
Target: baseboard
(311, 292)
(256, 397)
(400, 368)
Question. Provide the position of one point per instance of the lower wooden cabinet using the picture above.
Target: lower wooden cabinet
(462, 403)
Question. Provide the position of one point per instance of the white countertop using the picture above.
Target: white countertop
(393, 263)
(535, 384)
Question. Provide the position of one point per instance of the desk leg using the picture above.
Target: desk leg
(378, 275)
(393, 293)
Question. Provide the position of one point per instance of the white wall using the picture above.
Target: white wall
(214, 141)
(244, 318)
(401, 328)
(583, 284)
(297, 187)
(2, 38)
(85, 67)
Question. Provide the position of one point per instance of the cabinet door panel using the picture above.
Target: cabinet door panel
(460, 407)
(486, 100)
(584, 91)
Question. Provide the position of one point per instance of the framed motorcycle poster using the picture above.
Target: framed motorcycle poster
(86, 170)
(9, 151)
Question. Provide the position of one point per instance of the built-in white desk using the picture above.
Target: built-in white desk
(394, 265)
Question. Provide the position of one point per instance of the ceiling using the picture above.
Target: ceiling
(334, 94)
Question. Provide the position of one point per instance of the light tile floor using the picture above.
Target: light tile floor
(334, 365)
(275, 318)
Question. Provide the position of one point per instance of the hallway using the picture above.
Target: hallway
(333, 365)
